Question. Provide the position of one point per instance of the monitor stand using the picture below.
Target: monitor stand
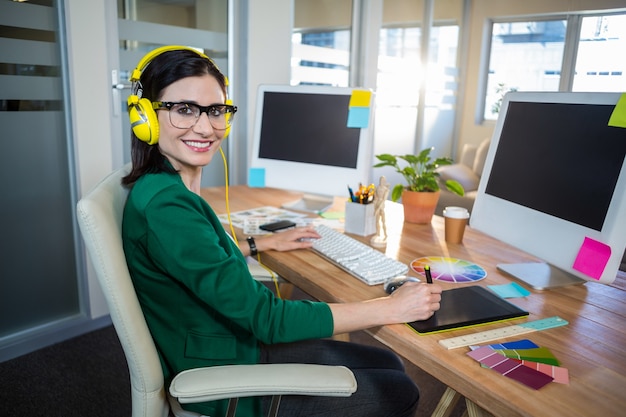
(312, 203)
(540, 276)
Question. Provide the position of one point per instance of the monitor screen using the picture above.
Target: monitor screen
(302, 141)
(554, 185)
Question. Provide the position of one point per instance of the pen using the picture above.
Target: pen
(429, 277)
(351, 194)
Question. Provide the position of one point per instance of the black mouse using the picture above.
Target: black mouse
(395, 283)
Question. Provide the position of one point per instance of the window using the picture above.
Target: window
(399, 66)
(525, 56)
(601, 62)
(532, 55)
(320, 42)
(321, 58)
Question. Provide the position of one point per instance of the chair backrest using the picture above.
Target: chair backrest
(100, 220)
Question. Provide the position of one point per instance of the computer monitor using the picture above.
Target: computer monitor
(554, 185)
(303, 142)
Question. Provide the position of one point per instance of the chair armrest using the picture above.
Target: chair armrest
(230, 381)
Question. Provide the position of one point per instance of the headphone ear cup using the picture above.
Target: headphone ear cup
(143, 120)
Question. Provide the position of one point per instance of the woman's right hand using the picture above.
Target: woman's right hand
(415, 301)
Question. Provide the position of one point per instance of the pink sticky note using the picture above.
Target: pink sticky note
(592, 258)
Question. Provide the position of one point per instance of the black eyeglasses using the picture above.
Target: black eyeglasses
(185, 115)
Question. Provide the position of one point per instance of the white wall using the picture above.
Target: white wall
(91, 102)
(269, 49)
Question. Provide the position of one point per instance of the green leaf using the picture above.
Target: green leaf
(396, 193)
(455, 187)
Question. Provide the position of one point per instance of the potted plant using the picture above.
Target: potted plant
(421, 194)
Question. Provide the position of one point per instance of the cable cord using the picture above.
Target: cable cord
(232, 229)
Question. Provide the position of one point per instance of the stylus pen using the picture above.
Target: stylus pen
(429, 277)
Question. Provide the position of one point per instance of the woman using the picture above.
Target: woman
(201, 304)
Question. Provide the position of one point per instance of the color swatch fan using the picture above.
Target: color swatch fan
(449, 269)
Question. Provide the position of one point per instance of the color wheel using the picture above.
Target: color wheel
(449, 269)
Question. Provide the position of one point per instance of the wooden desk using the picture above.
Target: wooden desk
(592, 346)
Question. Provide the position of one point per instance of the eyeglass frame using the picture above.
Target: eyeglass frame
(228, 110)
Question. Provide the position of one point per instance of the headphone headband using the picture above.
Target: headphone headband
(136, 74)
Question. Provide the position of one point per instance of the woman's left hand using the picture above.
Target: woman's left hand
(297, 238)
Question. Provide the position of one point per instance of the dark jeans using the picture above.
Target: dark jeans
(384, 389)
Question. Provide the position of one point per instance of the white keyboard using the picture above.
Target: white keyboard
(362, 261)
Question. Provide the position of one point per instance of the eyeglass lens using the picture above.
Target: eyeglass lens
(186, 115)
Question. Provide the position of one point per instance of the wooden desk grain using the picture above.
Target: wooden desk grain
(592, 347)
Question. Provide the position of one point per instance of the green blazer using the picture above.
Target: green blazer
(201, 304)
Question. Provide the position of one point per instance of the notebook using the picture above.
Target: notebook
(468, 306)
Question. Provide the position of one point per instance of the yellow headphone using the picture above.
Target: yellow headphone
(143, 118)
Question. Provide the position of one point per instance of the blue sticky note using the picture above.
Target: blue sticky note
(511, 290)
(358, 117)
(256, 177)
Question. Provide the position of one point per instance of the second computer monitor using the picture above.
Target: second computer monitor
(554, 185)
(303, 140)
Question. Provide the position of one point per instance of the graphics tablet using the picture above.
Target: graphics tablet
(468, 306)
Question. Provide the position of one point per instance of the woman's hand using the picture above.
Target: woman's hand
(411, 302)
(415, 301)
(297, 238)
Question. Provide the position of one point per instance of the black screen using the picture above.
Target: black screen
(310, 128)
(561, 159)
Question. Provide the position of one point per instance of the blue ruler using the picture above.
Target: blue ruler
(515, 330)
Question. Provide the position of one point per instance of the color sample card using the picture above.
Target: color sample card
(510, 368)
(539, 354)
(560, 375)
(516, 344)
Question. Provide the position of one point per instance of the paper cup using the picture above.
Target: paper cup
(455, 222)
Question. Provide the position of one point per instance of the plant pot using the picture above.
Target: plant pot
(419, 207)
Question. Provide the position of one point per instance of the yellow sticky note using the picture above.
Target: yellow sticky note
(618, 117)
(360, 98)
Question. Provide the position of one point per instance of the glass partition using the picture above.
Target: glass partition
(39, 284)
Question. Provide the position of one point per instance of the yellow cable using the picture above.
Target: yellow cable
(232, 229)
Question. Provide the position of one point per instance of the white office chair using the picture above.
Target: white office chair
(100, 219)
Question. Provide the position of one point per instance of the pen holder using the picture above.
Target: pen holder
(360, 219)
